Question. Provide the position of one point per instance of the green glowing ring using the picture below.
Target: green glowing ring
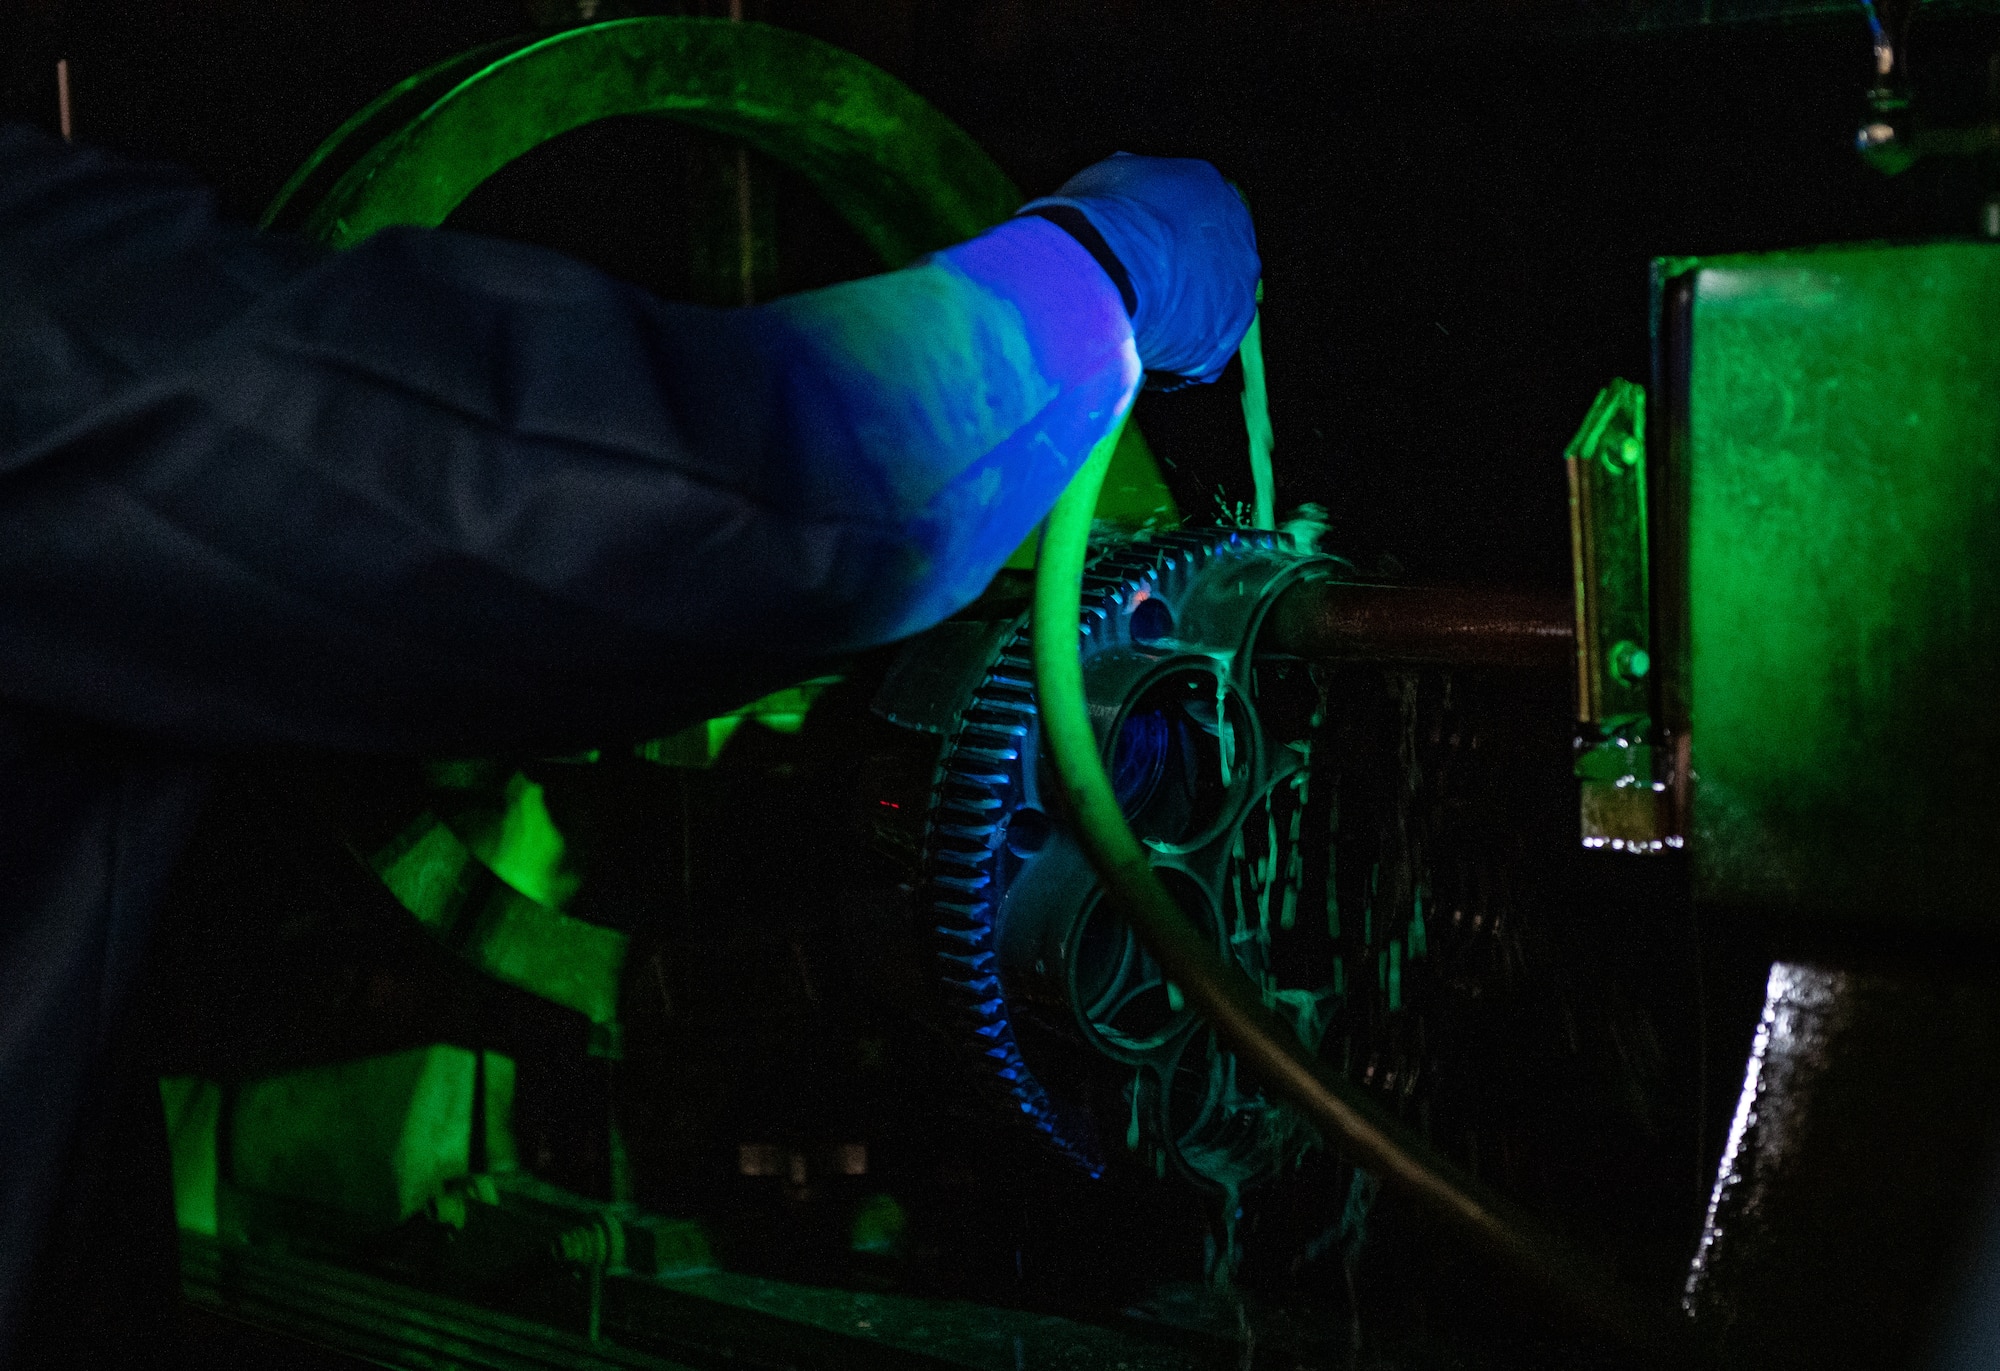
(907, 179)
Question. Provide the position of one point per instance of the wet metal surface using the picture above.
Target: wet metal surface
(1853, 1170)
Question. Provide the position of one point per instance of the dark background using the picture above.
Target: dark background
(1456, 208)
(1456, 204)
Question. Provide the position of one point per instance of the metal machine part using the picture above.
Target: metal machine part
(1825, 579)
(1893, 135)
(1295, 812)
(1841, 1204)
(784, 989)
(1820, 515)
(904, 176)
(1238, 1009)
(1622, 792)
(1825, 582)
(1057, 993)
(1343, 620)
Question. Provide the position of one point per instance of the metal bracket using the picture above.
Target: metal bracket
(1622, 802)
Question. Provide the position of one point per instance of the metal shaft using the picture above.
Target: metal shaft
(1464, 626)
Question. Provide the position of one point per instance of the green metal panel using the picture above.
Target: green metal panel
(1841, 478)
(490, 883)
(193, 1107)
(373, 1139)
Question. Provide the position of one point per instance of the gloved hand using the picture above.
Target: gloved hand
(1181, 240)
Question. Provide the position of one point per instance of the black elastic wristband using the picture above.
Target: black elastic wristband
(1077, 225)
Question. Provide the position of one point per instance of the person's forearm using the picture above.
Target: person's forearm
(958, 397)
(449, 492)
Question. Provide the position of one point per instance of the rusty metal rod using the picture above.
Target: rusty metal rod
(1330, 621)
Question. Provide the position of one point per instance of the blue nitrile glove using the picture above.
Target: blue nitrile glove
(1181, 250)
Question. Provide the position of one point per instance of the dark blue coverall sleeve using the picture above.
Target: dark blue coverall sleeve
(441, 494)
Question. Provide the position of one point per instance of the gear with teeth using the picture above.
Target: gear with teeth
(1067, 1015)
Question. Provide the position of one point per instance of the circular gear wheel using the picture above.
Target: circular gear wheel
(1066, 1013)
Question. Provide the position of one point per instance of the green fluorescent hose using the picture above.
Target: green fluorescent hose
(1223, 996)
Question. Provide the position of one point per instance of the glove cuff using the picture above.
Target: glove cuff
(1066, 216)
(1077, 225)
